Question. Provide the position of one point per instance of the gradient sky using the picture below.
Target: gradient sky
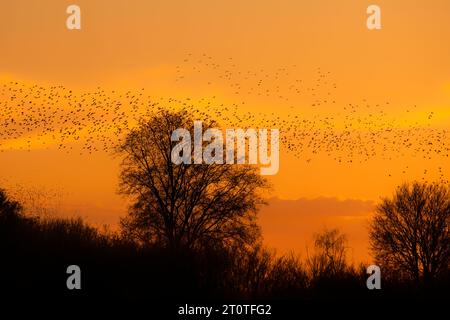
(134, 44)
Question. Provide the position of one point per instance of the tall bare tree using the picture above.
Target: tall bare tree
(410, 233)
(185, 205)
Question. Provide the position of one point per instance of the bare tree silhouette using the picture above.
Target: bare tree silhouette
(184, 205)
(410, 233)
(329, 256)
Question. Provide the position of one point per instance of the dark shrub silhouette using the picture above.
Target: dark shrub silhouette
(9, 209)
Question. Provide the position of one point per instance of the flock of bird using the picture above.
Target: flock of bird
(38, 116)
(265, 83)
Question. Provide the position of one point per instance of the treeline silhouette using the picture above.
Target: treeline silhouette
(36, 251)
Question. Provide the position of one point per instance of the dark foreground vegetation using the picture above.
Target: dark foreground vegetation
(36, 252)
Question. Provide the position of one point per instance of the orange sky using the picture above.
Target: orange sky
(218, 51)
